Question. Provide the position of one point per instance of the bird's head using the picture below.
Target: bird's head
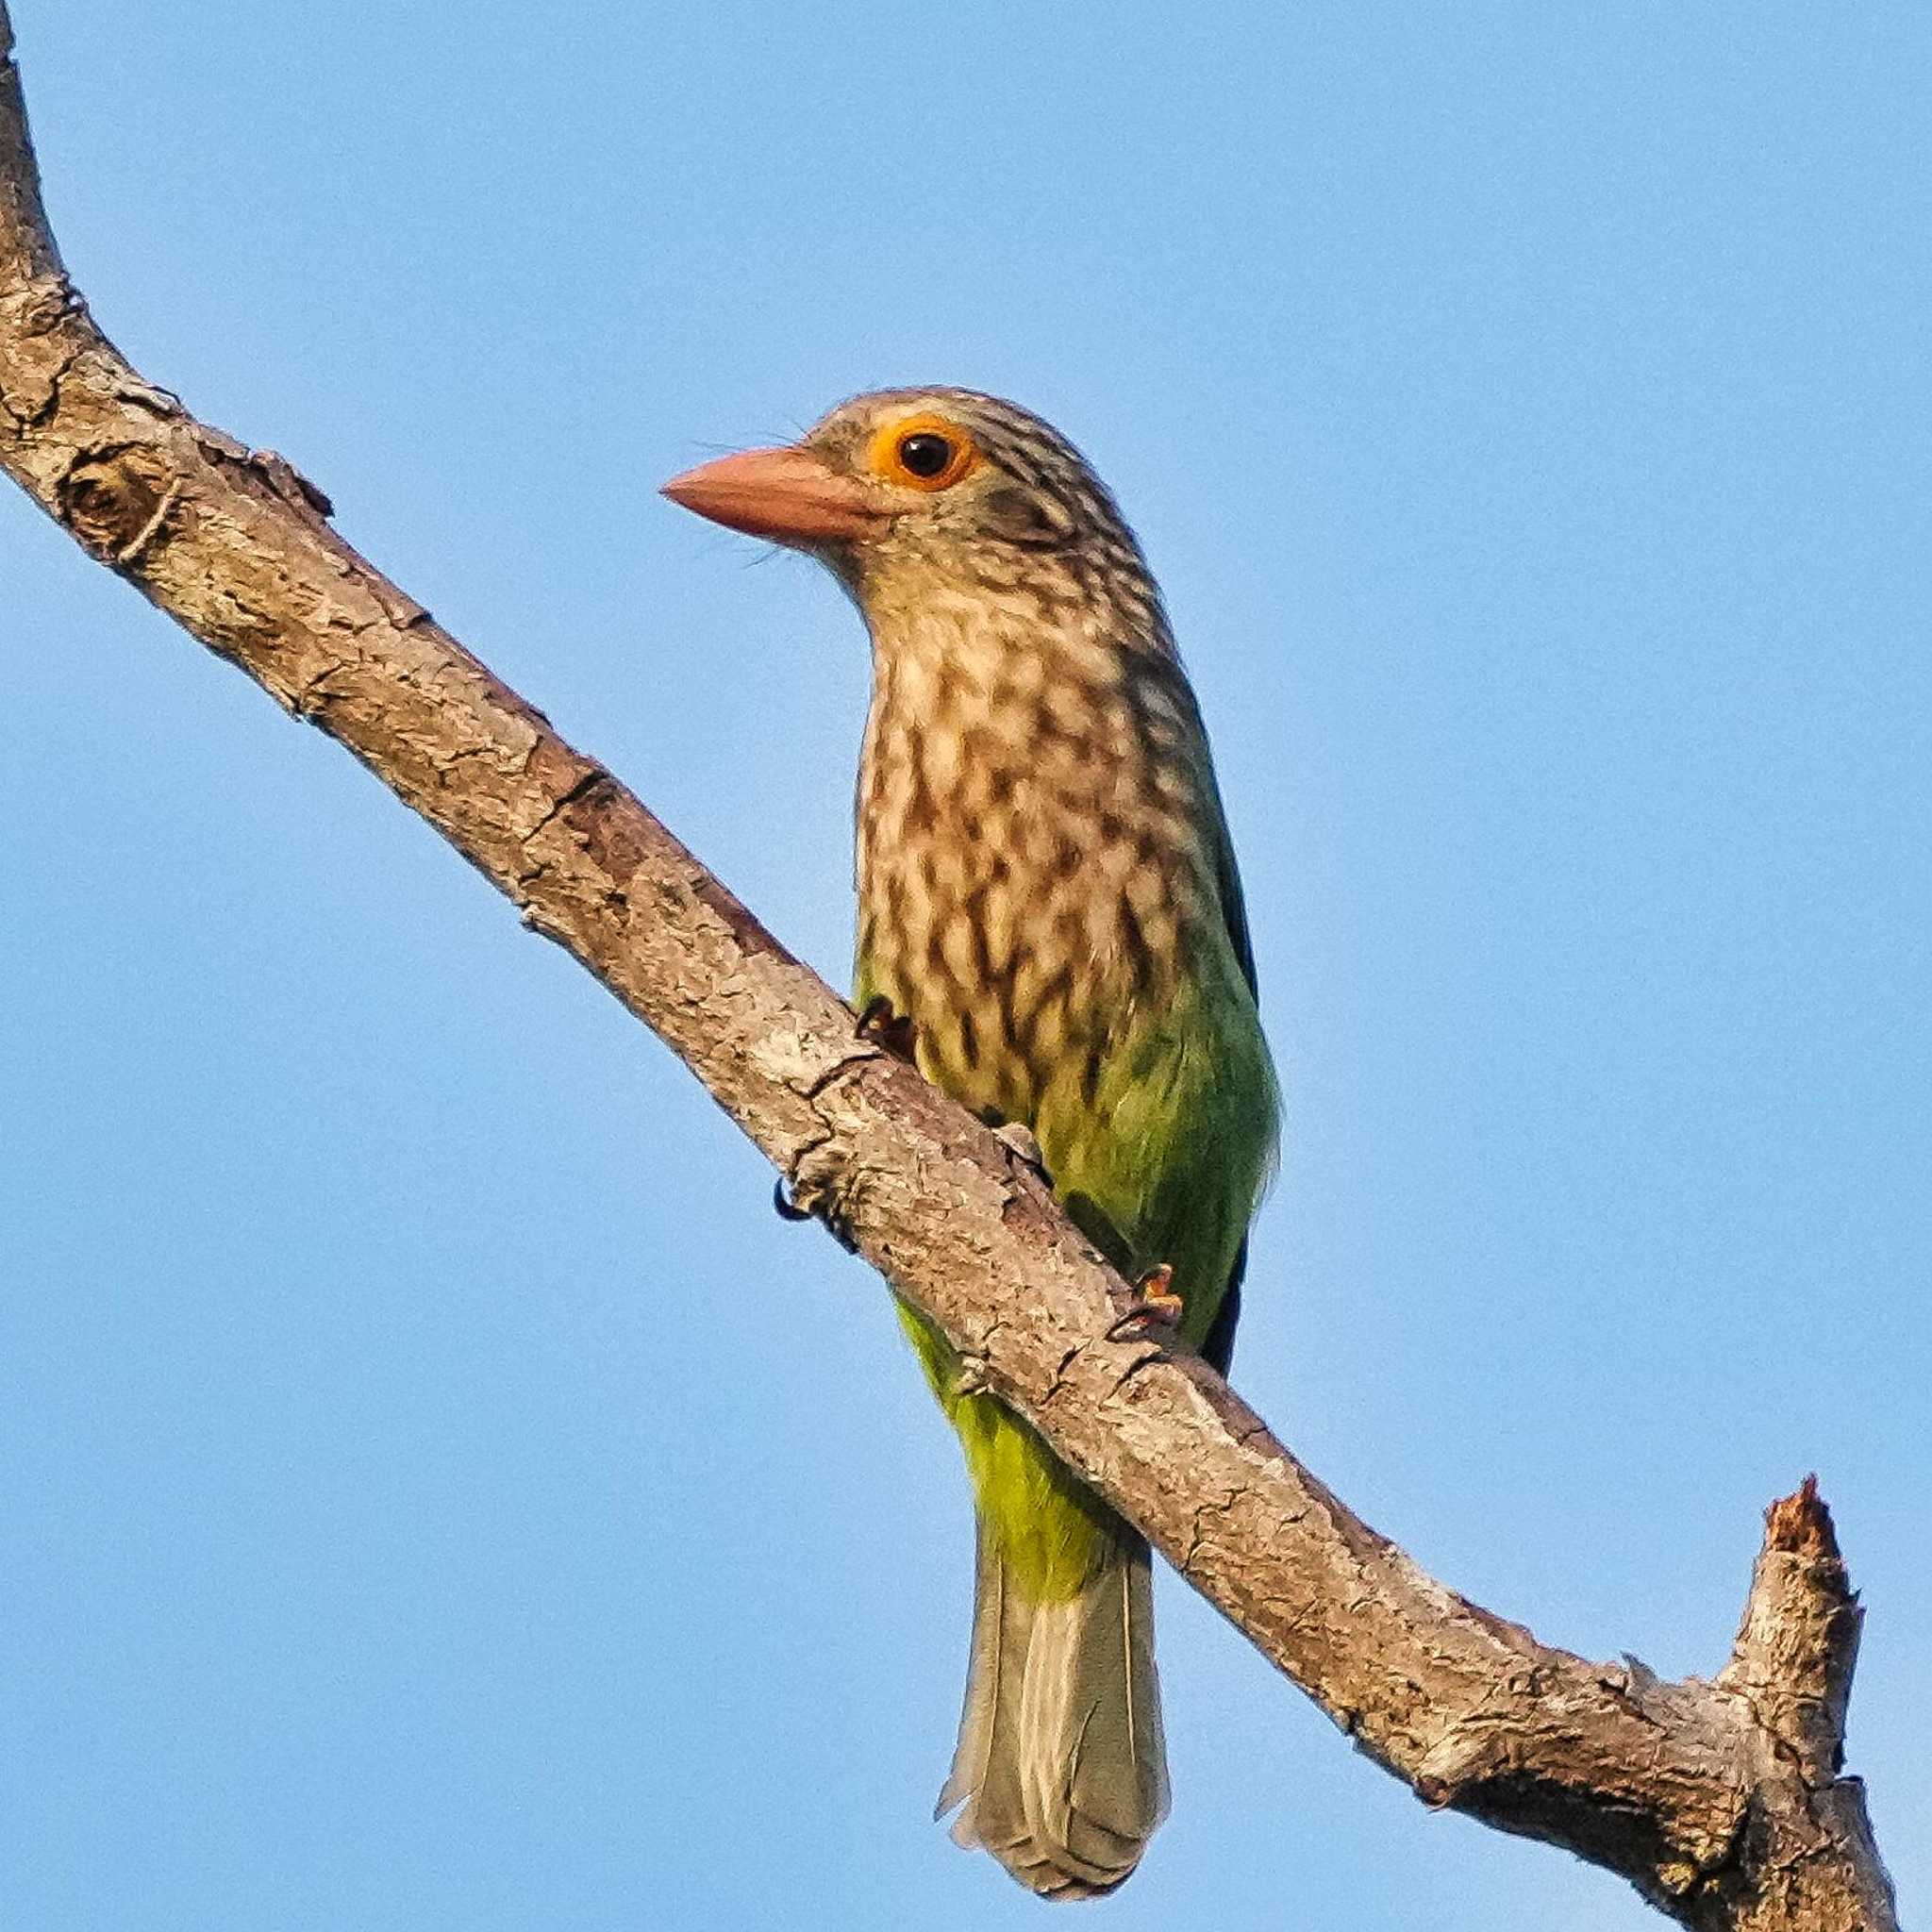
(905, 487)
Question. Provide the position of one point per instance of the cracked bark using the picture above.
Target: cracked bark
(1724, 1803)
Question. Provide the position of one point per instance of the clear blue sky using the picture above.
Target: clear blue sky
(437, 1491)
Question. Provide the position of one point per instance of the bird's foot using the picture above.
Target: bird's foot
(1155, 1305)
(970, 1377)
(881, 1024)
(786, 1207)
(813, 1189)
(1018, 1140)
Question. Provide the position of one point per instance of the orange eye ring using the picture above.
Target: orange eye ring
(926, 452)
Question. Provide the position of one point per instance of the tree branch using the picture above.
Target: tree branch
(1722, 1803)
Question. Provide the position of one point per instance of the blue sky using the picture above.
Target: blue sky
(440, 1493)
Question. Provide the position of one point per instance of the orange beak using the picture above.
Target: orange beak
(785, 495)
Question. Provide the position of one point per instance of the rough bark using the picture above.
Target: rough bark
(1722, 1802)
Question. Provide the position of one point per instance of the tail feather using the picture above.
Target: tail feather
(986, 1760)
(1061, 1770)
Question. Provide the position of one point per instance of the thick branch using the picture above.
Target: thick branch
(1722, 1803)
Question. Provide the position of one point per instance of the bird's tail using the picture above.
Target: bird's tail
(1062, 1769)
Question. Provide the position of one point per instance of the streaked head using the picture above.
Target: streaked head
(935, 478)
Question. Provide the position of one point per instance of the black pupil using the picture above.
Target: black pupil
(926, 454)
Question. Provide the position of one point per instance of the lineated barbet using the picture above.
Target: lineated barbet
(1049, 912)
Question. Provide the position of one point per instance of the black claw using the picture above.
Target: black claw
(788, 1208)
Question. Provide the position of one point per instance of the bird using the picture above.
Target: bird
(1050, 921)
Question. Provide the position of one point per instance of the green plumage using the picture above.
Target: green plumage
(1163, 1166)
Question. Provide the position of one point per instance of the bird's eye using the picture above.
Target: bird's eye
(924, 454)
(928, 452)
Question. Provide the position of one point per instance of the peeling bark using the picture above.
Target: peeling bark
(1724, 1803)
